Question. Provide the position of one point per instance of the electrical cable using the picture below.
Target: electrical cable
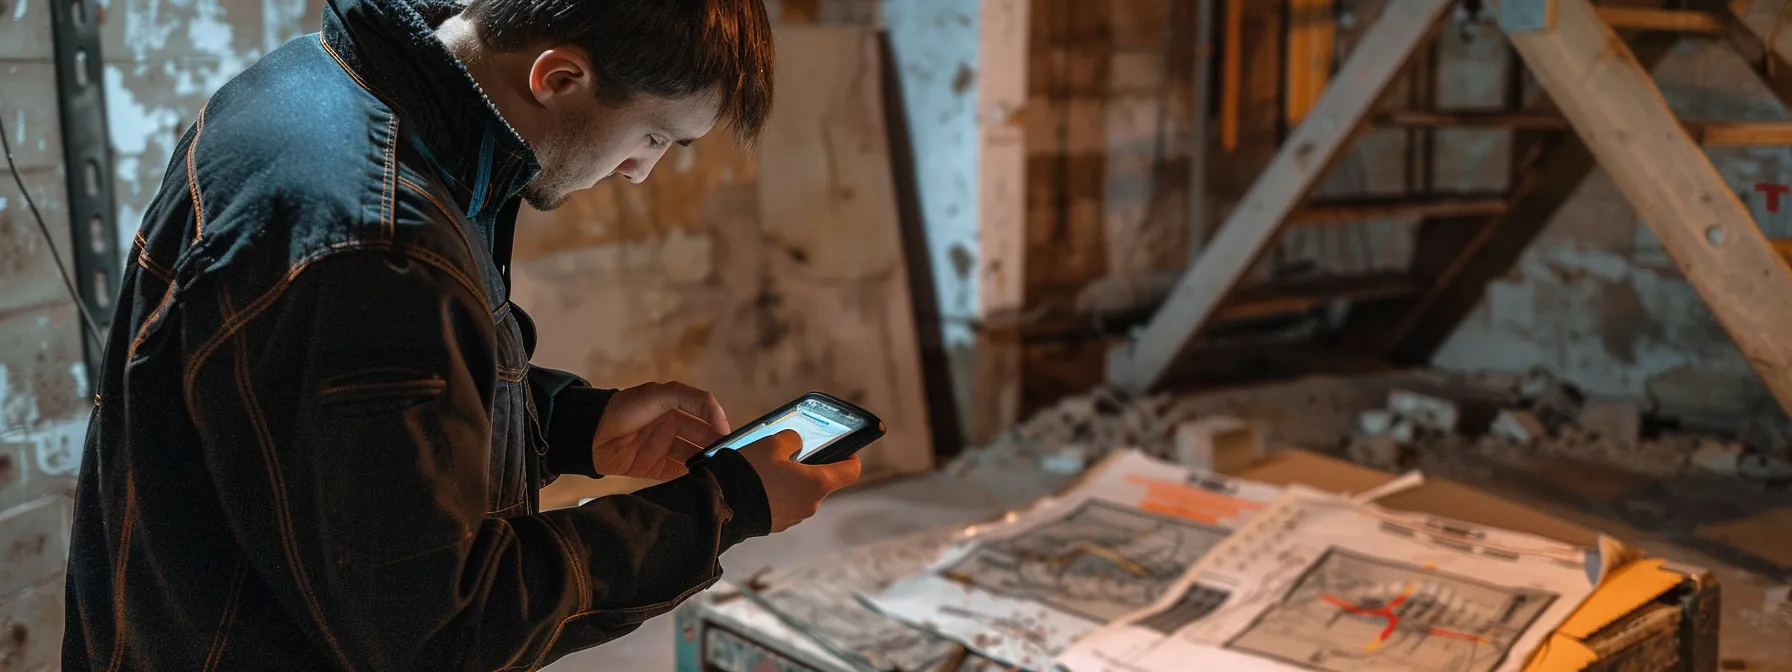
(92, 327)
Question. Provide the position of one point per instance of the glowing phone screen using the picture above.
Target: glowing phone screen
(817, 422)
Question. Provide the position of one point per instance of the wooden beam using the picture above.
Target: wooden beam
(1231, 74)
(1667, 20)
(1202, 78)
(1304, 295)
(1312, 34)
(1460, 257)
(1253, 225)
(1617, 110)
(1002, 54)
(1402, 207)
(1518, 121)
(1741, 133)
(1748, 27)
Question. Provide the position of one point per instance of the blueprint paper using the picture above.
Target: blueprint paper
(815, 607)
(1321, 583)
(1021, 590)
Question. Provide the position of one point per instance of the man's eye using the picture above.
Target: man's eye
(656, 141)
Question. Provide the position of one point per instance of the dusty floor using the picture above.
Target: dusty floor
(1753, 638)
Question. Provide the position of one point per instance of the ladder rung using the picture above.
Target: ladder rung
(1671, 20)
(1512, 120)
(1399, 207)
(1303, 295)
(1745, 133)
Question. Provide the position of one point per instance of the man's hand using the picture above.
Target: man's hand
(649, 431)
(793, 489)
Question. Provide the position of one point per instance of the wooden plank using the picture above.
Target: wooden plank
(1342, 211)
(1231, 74)
(1741, 133)
(1002, 89)
(1668, 20)
(1257, 126)
(1311, 39)
(827, 196)
(1198, 203)
(1461, 256)
(1617, 110)
(1749, 24)
(1304, 295)
(1304, 158)
(1525, 121)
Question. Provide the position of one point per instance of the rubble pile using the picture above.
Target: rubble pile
(1079, 430)
(1540, 415)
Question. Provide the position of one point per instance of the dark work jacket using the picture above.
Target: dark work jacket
(317, 440)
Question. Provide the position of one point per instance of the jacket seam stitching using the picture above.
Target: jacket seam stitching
(578, 568)
(237, 322)
(155, 268)
(192, 179)
(322, 40)
(150, 321)
(222, 638)
(120, 564)
(453, 219)
(277, 484)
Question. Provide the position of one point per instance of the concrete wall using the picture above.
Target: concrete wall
(1595, 298)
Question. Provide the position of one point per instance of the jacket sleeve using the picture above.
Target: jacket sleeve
(344, 421)
(569, 409)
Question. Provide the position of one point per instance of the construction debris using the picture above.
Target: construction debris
(1219, 443)
(1718, 457)
(1424, 411)
(1517, 426)
(1618, 422)
(1380, 452)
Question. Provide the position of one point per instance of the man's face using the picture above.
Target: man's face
(586, 140)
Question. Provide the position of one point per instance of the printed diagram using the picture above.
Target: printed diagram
(1354, 613)
(1099, 562)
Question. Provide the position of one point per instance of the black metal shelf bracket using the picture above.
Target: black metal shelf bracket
(87, 158)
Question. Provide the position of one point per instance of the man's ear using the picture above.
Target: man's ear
(559, 72)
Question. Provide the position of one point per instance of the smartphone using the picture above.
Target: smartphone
(831, 429)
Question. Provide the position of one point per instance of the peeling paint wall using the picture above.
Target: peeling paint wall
(162, 59)
(1597, 300)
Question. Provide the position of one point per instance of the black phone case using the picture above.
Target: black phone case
(841, 449)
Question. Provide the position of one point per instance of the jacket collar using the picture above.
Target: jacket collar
(390, 45)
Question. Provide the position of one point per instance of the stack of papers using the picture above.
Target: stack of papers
(1148, 566)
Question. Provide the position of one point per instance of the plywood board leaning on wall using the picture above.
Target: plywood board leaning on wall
(756, 278)
(827, 201)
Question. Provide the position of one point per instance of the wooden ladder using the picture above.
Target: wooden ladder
(1466, 241)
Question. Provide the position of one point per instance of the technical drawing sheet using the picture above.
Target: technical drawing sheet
(821, 599)
(1020, 590)
(1321, 583)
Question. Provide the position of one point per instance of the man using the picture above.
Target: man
(318, 440)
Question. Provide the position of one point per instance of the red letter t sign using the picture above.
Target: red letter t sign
(1773, 191)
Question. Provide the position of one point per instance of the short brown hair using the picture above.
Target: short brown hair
(667, 48)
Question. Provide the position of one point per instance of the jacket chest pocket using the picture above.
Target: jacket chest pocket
(513, 437)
